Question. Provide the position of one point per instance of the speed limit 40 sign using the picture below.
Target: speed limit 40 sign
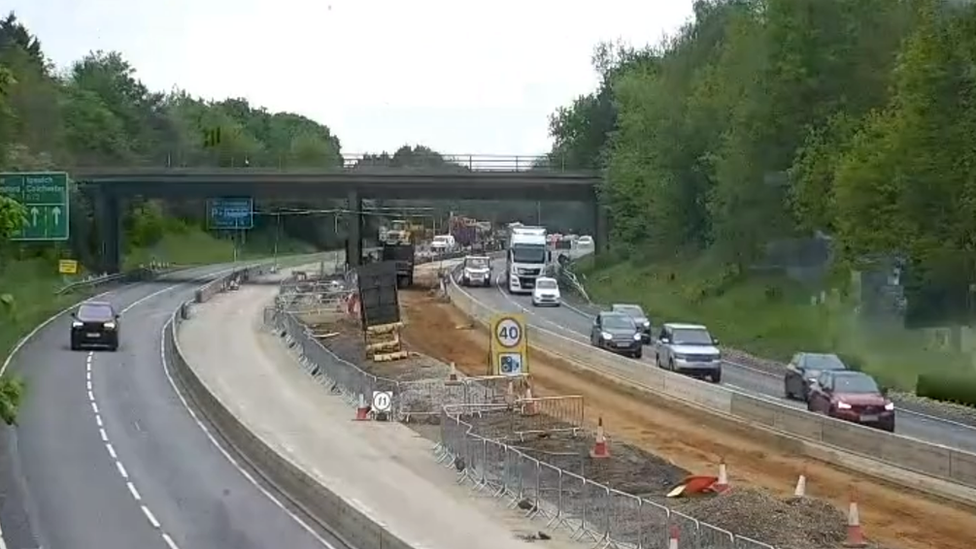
(509, 351)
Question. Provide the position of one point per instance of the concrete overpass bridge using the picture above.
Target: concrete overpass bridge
(462, 177)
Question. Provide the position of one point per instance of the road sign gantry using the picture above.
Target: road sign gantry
(45, 198)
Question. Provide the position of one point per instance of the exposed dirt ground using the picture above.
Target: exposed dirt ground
(892, 516)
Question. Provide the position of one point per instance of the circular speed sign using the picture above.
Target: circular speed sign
(382, 401)
(509, 332)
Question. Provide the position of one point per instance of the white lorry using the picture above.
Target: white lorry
(526, 258)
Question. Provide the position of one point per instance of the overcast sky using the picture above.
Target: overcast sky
(460, 77)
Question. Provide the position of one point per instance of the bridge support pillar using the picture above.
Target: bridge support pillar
(354, 229)
(108, 220)
(601, 232)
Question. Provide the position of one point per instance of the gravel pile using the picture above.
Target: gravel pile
(793, 523)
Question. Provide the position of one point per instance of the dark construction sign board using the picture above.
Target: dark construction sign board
(378, 297)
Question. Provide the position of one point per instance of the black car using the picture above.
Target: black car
(618, 333)
(804, 369)
(95, 324)
(640, 318)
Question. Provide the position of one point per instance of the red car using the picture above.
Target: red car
(852, 396)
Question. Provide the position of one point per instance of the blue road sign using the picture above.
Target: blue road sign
(230, 213)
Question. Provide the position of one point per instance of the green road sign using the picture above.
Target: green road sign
(45, 197)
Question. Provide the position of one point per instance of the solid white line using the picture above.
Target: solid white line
(132, 490)
(150, 516)
(121, 468)
(111, 451)
(227, 456)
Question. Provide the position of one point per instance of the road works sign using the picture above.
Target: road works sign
(68, 266)
(45, 197)
(509, 349)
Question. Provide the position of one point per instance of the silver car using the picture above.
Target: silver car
(689, 349)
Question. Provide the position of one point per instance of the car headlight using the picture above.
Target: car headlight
(77, 324)
(638, 337)
(843, 406)
(109, 325)
(890, 406)
(606, 335)
(647, 324)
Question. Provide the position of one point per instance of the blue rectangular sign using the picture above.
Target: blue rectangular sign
(230, 213)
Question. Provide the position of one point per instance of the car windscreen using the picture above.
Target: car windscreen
(618, 322)
(632, 310)
(546, 284)
(855, 384)
(95, 313)
(476, 263)
(529, 253)
(688, 336)
(823, 362)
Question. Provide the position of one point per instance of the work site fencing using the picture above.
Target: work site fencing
(490, 460)
(589, 511)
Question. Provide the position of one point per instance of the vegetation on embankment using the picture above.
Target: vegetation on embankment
(764, 122)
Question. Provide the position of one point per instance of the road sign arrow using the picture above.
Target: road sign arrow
(34, 212)
(56, 212)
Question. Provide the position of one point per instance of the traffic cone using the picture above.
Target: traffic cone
(673, 537)
(723, 479)
(362, 409)
(529, 407)
(600, 449)
(855, 535)
(801, 485)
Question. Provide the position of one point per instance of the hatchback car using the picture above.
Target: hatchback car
(616, 332)
(804, 369)
(476, 271)
(691, 350)
(95, 324)
(546, 292)
(639, 316)
(852, 396)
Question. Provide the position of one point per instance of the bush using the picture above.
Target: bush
(957, 388)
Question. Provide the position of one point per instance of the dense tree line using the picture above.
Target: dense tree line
(767, 119)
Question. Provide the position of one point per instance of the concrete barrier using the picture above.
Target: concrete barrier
(343, 519)
(932, 468)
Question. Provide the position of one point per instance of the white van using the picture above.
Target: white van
(443, 243)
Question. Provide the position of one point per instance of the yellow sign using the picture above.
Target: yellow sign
(68, 266)
(509, 346)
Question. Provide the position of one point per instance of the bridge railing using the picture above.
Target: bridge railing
(361, 161)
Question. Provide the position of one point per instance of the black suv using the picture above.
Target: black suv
(95, 324)
(639, 316)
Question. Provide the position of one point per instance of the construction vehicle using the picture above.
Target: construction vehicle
(398, 246)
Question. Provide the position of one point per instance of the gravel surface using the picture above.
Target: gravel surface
(785, 524)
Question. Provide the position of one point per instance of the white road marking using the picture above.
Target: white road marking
(103, 434)
(98, 420)
(151, 517)
(111, 451)
(169, 542)
(247, 475)
(132, 490)
(94, 406)
(121, 468)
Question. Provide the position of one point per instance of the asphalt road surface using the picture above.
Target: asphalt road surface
(109, 457)
(575, 323)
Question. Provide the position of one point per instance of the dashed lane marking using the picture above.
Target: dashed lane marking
(123, 472)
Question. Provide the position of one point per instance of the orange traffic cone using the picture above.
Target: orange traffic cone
(801, 485)
(723, 479)
(529, 407)
(362, 409)
(600, 449)
(855, 535)
(673, 537)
